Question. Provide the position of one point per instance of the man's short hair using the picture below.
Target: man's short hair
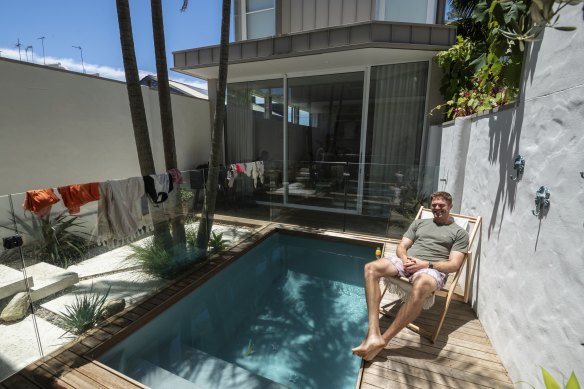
(445, 195)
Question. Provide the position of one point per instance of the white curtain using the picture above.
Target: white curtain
(398, 118)
(240, 132)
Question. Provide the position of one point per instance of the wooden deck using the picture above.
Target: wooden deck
(462, 357)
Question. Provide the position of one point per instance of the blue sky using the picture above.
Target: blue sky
(93, 26)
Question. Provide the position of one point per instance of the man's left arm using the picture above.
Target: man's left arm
(451, 265)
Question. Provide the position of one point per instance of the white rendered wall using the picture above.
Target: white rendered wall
(59, 127)
(529, 281)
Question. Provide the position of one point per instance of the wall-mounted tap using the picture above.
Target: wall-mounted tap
(519, 166)
(542, 200)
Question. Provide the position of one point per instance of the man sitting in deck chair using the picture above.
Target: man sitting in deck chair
(428, 250)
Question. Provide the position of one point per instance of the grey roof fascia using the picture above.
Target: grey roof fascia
(375, 34)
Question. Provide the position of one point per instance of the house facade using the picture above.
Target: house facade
(334, 96)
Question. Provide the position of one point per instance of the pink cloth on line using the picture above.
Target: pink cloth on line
(240, 167)
(176, 175)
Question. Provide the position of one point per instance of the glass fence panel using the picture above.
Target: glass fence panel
(320, 184)
(57, 239)
(229, 225)
(139, 236)
(111, 253)
(248, 190)
(392, 195)
(18, 344)
(333, 195)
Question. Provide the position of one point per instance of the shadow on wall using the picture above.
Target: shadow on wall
(529, 61)
(505, 136)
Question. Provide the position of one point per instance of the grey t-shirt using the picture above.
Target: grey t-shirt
(433, 242)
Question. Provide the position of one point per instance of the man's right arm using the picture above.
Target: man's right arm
(402, 249)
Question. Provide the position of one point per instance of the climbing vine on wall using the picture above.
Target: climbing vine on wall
(483, 71)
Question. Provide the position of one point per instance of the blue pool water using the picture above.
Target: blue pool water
(287, 313)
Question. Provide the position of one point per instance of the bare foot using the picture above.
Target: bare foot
(370, 347)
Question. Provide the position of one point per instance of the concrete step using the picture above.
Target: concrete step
(49, 279)
(12, 281)
(156, 377)
(207, 371)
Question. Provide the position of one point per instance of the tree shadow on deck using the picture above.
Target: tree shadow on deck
(458, 317)
(460, 357)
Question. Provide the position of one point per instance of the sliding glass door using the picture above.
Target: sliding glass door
(397, 105)
(311, 139)
(253, 132)
(323, 139)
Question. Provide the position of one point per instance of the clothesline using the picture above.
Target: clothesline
(122, 213)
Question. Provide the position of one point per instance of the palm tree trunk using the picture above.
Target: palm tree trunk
(136, 100)
(137, 111)
(206, 222)
(164, 100)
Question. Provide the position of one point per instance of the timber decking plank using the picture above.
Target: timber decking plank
(479, 340)
(463, 351)
(105, 377)
(112, 328)
(69, 375)
(18, 381)
(91, 341)
(428, 375)
(79, 348)
(450, 359)
(425, 323)
(447, 328)
(101, 335)
(467, 366)
(91, 371)
(437, 352)
(454, 319)
(132, 316)
(78, 380)
(121, 321)
(130, 382)
(445, 370)
(381, 377)
(44, 378)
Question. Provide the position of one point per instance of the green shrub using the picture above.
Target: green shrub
(85, 312)
(483, 70)
(479, 97)
(167, 263)
(216, 242)
(191, 236)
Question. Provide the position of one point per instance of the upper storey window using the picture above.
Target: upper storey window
(260, 18)
(411, 11)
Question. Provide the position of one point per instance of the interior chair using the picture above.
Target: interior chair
(451, 290)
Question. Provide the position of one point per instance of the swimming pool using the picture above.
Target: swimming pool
(284, 314)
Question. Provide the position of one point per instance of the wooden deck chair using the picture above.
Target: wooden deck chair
(451, 290)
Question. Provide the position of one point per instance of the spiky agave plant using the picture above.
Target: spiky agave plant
(56, 239)
(217, 243)
(85, 312)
